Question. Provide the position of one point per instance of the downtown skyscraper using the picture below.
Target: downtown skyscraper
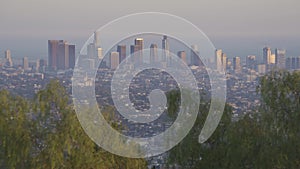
(94, 49)
(8, 58)
(293, 63)
(251, 62)
(52, 54)
(25, 63)
(137, 50)
(237, 65)
(72, 56)
(280, 58)
(220, 60)
(153, 53)
(122, 52)
(267, 55)
(165, 49)
(114, 60)
(61, 55)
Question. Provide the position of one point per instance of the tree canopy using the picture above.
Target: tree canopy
(45, 133)
(268, 138)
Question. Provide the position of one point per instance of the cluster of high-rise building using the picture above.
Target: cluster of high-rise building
(93, 52)
(61, 55)
(37, 66)
(277, 59)
(136, 51)
(270, 61)
(293, 63)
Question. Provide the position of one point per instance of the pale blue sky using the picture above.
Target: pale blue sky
(240, 27)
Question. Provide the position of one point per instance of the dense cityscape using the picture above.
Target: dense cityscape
(27, 78)
(194, 84)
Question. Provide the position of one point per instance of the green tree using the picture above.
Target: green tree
(267, 139)
(45, 133)
(280, 91)
(15, 132)
(66, 145)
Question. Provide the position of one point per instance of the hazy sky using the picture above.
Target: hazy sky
(239, 27)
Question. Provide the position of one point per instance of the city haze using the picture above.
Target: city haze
(240, 28)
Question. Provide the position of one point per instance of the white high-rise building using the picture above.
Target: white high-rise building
(114, 60)
(272, 59)
(220, 60)
(37, 65)
(237, 65)
(99, 53)
(96, 39)
(8, 58)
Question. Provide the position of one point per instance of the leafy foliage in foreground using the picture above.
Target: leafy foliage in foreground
(45, 133)
(267, 139)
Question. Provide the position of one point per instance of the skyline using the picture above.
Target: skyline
(64, 60)
(39, 48)
(149, 84)
(239, 28)
(126, 43)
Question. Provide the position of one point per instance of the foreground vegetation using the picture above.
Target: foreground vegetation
(268, 138)
(45, 133)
